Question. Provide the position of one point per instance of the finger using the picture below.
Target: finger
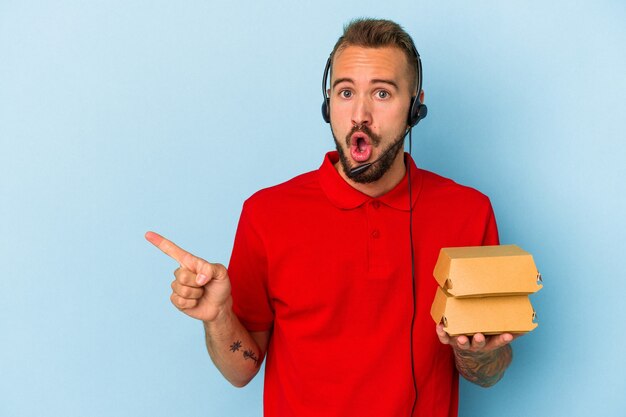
(187, 292)
(168, 247)
(187, 277)
(443, 336)
(478, 341)
(182, 303)
(497, 341)
(463, 342)
(208, 271)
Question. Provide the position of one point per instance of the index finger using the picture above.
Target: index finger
(169, 248)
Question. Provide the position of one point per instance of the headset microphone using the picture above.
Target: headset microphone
(356, 171)
(362, 168)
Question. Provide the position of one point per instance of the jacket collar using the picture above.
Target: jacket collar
(344, 196)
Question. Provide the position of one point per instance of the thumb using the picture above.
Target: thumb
(208, 272)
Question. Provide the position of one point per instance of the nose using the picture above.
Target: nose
(361, 113)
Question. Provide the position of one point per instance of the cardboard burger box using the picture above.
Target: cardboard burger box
(485, 289)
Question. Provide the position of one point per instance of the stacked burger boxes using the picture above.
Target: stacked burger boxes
(484, 289)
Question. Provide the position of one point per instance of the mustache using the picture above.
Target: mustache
(364, 129)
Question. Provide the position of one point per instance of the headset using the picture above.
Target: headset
(417, 110)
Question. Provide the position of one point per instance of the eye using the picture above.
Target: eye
(382, 94)
(345, 93)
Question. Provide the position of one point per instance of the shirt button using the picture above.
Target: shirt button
(375, 234)
(376, 204)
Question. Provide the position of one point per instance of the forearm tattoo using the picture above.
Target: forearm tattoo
(248, 354)
(484, 369)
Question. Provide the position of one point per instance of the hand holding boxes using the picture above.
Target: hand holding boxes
(484, 289)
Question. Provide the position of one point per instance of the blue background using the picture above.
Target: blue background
(118, 117)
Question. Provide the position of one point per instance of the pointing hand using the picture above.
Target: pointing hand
(200, 289)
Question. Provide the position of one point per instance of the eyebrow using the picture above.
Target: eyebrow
(374, 81)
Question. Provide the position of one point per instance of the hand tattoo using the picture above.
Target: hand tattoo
(483, 368)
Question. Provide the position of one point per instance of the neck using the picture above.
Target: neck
(377, 188)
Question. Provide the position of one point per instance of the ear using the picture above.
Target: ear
(422, 96)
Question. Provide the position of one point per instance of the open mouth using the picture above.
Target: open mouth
(360, 147)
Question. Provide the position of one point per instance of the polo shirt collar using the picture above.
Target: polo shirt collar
(344, 196)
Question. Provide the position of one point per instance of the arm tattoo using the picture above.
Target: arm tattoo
(484, 369)
(248, 354)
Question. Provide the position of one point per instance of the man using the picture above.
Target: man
(320, 275)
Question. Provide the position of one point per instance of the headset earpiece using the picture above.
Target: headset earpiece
(326, 110)
(326, 103)
(417, 111)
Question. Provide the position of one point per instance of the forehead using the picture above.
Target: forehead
(361, 64)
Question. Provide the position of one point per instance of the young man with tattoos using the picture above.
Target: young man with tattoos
(320, 278)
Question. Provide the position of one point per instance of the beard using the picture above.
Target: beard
(380, 166)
